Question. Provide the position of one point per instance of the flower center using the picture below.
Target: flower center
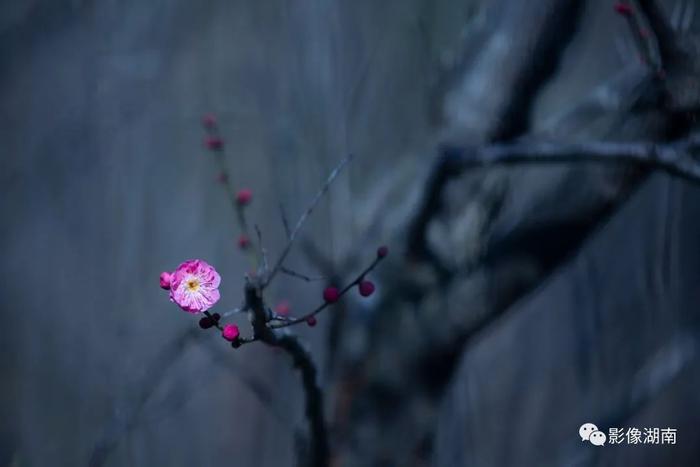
(192, 285)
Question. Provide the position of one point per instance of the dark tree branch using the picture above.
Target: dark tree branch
(680, 158)
(320, 451)
(318, 437)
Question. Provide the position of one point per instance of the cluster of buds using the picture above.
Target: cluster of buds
(193, 285)
(239, 199)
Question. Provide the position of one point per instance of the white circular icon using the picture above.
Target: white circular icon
(597, 438)
(586, 430)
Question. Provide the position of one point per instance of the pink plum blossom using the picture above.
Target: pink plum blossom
(194, 286)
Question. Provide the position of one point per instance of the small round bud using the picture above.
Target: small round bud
(623, 8)
(311, 321)
(244, 196)
(282, 308)
(382, 251)
(366, 288)
(213, 143)
(331, 294)
(230, 332)
(243, 242)
(206, 323)
(165, 279)
(216, 317)
(209, 120)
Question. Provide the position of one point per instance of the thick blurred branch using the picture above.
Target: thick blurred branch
(681, 158)
(458, 306)
(549, 38)
(666, 39)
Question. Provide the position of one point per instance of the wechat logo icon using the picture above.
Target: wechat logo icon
(589, 432)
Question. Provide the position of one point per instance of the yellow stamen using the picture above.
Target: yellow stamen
(193, 285)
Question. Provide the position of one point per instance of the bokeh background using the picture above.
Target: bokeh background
(571, 293)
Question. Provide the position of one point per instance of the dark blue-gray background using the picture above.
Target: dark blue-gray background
(105, 184)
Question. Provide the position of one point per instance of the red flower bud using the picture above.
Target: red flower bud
(382, 251)
(165, 278)
(206, 323)
(282, 308)
(213, 143)
(331, 294)
(311, 321)
(243, 242)
(244, 196)
(623, 8)
(230, 332)
(366, 288)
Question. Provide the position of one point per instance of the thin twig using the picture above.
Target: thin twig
(303, 218)
(225, 180)
(285, 221)
(293, 273)
(640, 40)
(324, 305)
(261, 250)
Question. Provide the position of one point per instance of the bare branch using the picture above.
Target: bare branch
(679, 158)
(261, 250)
(285, 221)
(320, 451)
(324, 305)
(293, 273)
(318, 436)
(303, 218)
